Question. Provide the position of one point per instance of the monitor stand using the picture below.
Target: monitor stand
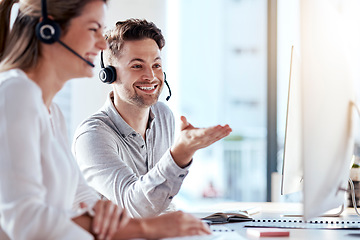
(341, 210)
(336, 214)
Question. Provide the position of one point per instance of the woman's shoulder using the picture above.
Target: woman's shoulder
(15, 83)
(20, 97)
(12, 75)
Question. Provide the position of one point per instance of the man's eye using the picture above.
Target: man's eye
(157, 66)
(136, 66)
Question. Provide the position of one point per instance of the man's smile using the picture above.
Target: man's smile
(148, 88)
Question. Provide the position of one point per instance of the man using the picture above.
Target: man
(126, 151)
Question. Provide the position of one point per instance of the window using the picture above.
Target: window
(221, 51)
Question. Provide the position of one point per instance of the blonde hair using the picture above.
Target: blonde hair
(19, 47)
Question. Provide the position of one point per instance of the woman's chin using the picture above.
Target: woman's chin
(88, 73)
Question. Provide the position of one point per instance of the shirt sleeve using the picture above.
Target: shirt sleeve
(84, 193)
(24, 213)
(97, 154)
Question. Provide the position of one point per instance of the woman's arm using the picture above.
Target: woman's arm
(33, 184)
(104, 221)
(167, 225)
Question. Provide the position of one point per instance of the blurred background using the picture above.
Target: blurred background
(227, 62)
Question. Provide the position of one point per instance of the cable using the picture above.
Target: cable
(352, 192)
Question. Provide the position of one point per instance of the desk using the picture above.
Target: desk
(276, 211)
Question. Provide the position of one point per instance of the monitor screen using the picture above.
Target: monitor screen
(292, 169)
(320, 128)
(327, 110)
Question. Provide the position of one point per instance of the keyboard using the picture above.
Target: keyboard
(221, 233)
(197, 237)
(320, 223)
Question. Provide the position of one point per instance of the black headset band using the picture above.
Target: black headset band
(101, 59)
(44, 9)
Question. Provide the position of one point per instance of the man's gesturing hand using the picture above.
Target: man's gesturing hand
(192, 139)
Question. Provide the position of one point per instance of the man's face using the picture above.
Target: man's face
(140, 76)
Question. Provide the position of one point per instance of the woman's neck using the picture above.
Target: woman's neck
(48, 79)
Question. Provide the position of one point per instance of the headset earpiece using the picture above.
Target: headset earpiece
(48, 31)
(107, 74)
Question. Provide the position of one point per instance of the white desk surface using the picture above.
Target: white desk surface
(277, 211)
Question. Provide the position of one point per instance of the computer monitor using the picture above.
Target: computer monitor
(292, 168)
(322, 124)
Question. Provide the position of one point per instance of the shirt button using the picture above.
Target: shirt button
(171, 197)
(134, 134)
(142, 146)
(181, 175)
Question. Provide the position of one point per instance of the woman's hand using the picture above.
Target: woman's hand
(108, 219)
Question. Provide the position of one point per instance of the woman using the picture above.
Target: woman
(42, 193)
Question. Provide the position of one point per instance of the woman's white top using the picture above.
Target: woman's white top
(40, 183)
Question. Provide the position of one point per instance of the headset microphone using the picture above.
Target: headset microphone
(168, 97)
(49, 31)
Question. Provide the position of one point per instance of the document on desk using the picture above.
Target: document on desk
(221, 217)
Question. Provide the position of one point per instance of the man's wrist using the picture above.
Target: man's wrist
(180, 156)
(135, 228)
(147, 231)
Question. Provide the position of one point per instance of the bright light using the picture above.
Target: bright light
(172, 45)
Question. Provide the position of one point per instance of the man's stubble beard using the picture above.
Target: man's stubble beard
(140, 101)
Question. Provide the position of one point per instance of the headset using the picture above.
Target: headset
(49, 32)
(168, 97)
(108, 74)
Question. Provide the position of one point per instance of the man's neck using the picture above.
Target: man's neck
(135, 116)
